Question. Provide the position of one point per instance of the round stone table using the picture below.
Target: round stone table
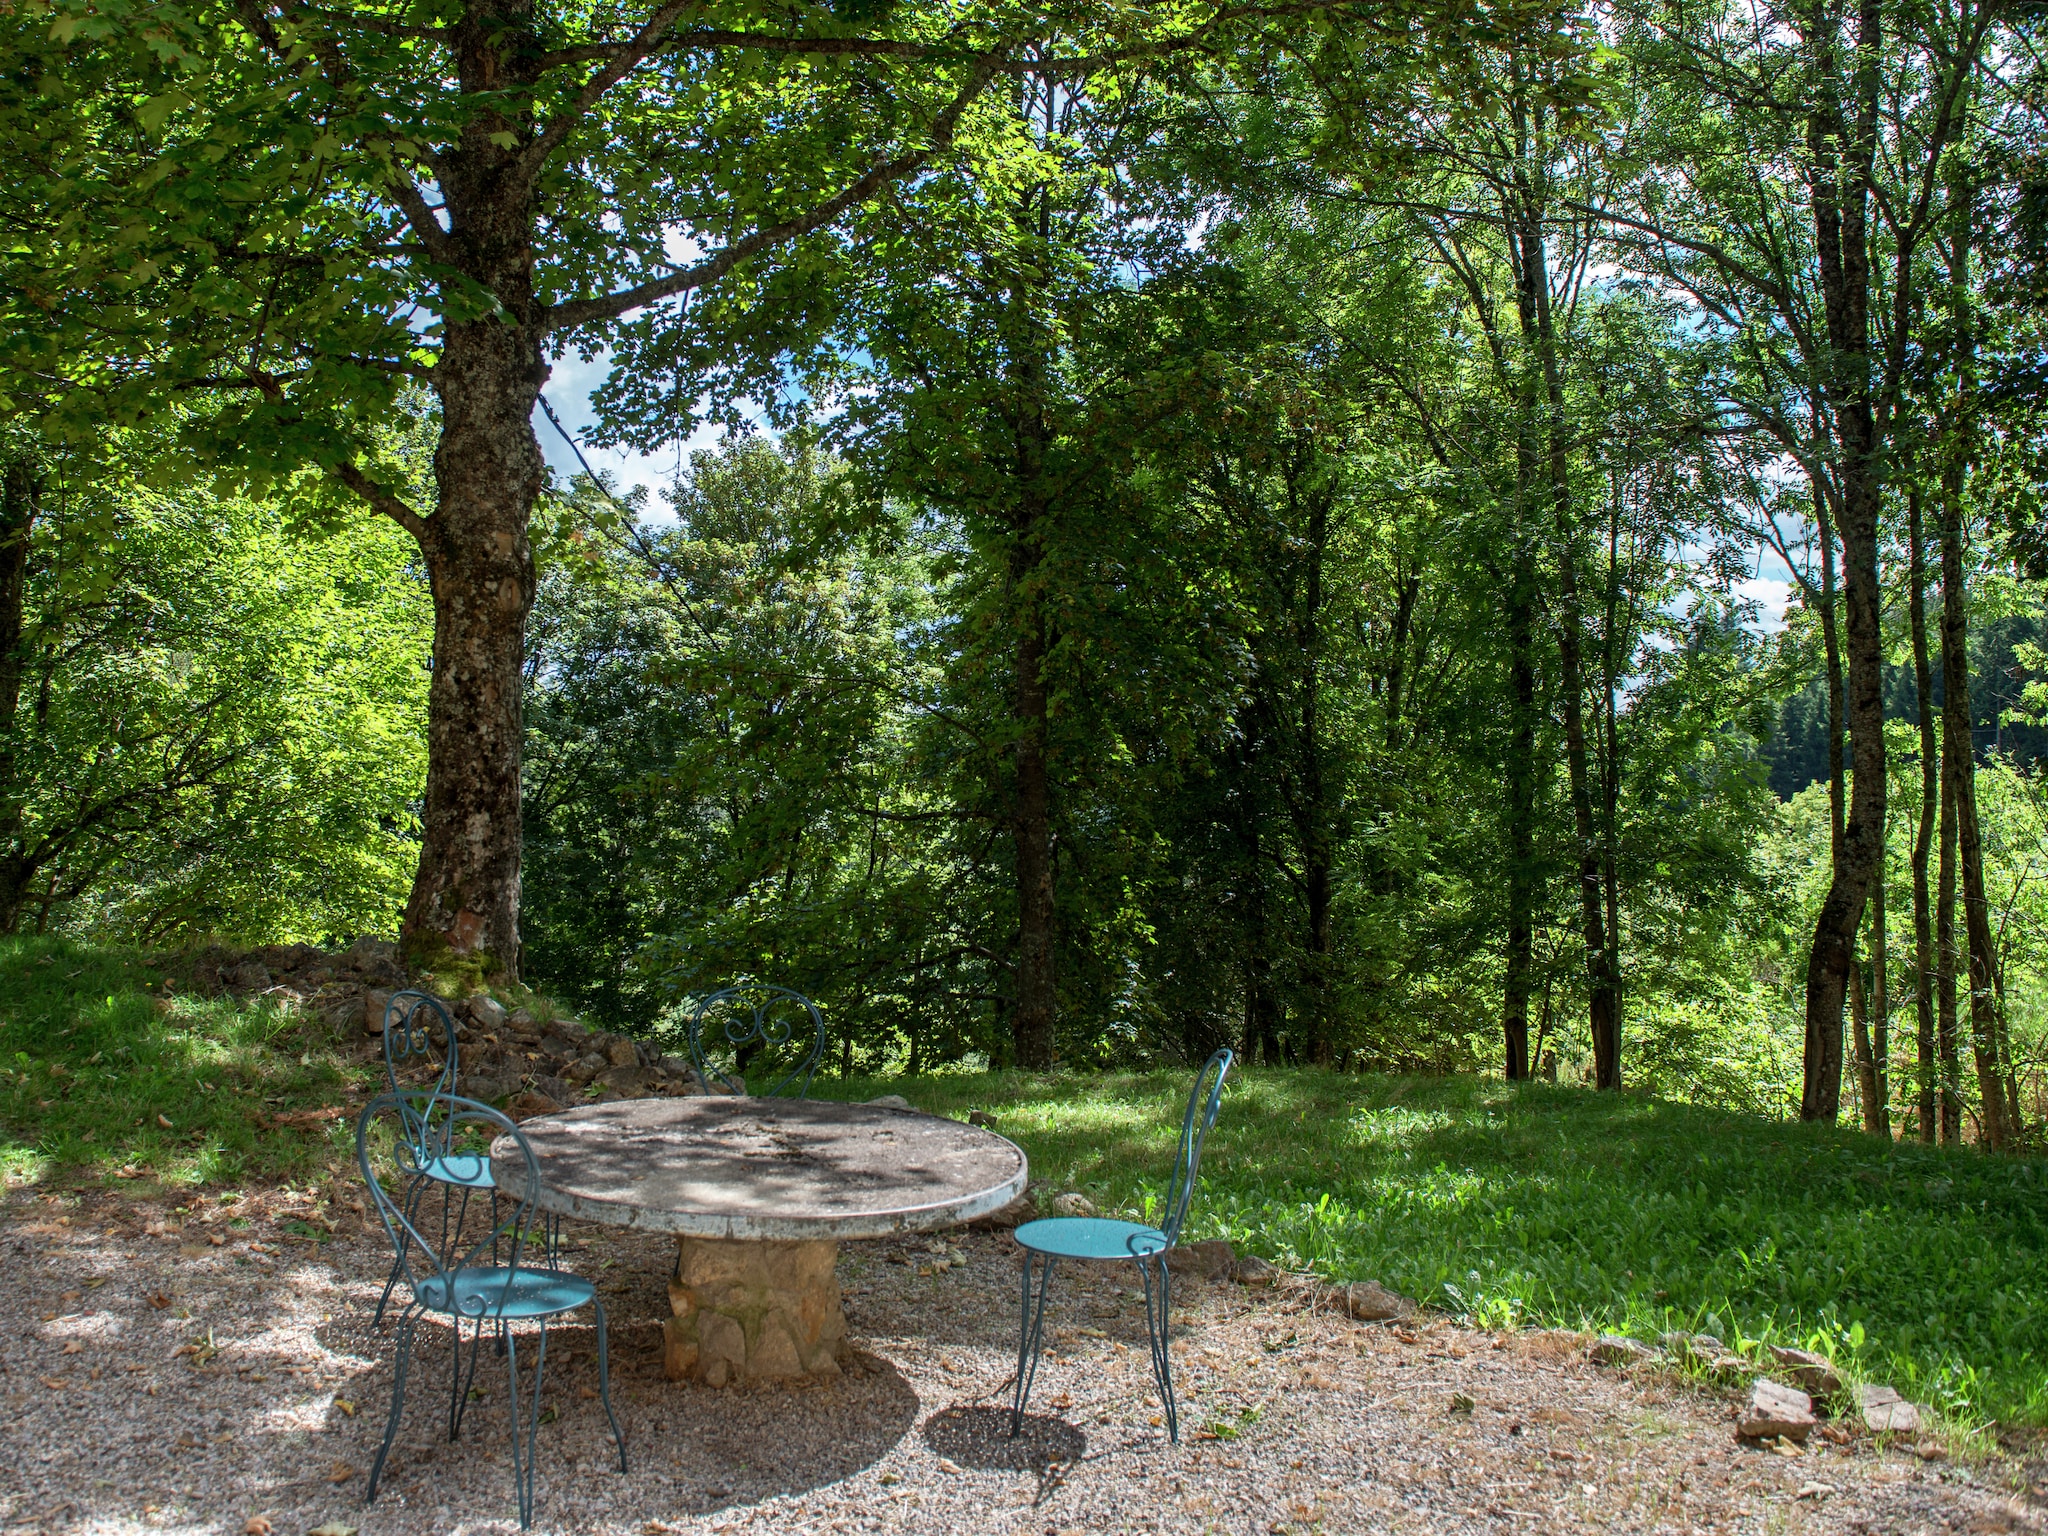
(759, 1193)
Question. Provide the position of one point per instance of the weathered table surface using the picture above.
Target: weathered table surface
(732, 1167)
(759, 1192)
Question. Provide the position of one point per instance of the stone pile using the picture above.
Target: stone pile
(513, 1057)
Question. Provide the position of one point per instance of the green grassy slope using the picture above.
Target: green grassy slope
(94, 1061)
(1542, 1204)
(1535, 1204)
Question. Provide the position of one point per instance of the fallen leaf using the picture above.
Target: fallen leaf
(257, 1525)
(345, 1406)
(887, 1478)
(165, 1122)
(948, 1466)
(70, 1295)
(54, 1383)
(74, 1348)
(1931, 1450)
(158, 1300)
(332, 1528)
(1814, 1491)
(587, 1393)
(341, 1472)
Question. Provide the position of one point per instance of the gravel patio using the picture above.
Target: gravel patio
(215, 1372)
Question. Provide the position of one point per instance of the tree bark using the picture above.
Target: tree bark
(1521, 829)
(1318, 853)
(1930, 796)
(20, 502)
(1877, 1116)
(1842, 150)
(1945, 978)
(1031, 829)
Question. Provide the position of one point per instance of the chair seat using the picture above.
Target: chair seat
(1091, 1237)
(533, 1292)
(465, 1171)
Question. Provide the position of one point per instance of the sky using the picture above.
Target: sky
(568, 391)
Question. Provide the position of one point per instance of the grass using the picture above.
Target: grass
(1556, 1206)
(1534, 1204)
(103, 1077)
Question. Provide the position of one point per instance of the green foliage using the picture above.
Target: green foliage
(217, 732)
(1530, 1205)
(95, 1057)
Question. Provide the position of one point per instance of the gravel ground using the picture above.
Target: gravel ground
(190, 1374)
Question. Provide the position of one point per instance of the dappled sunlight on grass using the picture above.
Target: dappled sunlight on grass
(1537, 1203)
(102, 1077)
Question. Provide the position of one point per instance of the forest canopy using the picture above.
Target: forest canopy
(1423, 537)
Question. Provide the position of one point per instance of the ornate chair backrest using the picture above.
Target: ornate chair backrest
(751, 1020)
(458, 1133)
(1203, 1103)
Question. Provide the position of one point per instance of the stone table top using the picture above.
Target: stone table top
(767, 1169)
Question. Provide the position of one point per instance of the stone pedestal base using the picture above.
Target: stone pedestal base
(752, 1310)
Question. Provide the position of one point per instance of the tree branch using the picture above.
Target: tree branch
(577, 312)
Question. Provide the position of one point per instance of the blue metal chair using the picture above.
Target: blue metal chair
(457, 1133)
(409, 1020)
(1096, 1239)
(749, 1019)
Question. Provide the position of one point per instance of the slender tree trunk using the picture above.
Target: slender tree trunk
(1945, 978)
(1960, 760)
(1842, 146)
(1930, 797)
(20, 502)
(1877, 1116)
(1031, 830)
(1538, 328)
(1318, 852)
(1521, 828)
(1859, 1034)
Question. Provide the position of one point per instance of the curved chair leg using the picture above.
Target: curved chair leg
(462, 1380)
(402, 1360)
(521, 1487)
(604, 1384)
(1030, 1334)
(1156, 1334)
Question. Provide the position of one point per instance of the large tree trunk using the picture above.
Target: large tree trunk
(489, 471)
(1841, 170)
(1521, 828)
(1923, 837)
(1877, 1115)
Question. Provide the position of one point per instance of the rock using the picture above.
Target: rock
(628, 1082)
(1367, 1301)
(1073, 1203)
(621, 1052)
(374, 1004)
(1887, 1413)
(892, 1101)
(370, 951)
(560, 1048)
(1615, 1349)
(982, 1118)
(524, 1106)
(1210, 1259)
(584, 1068)
(1009, 1217)
(1815, 1373)
(249, 976)
(488, 1089)
(520, 1018)
(558, 1089)
(1776, 1412)
(570, 1028)
(1253, 1270)
(488, 1012)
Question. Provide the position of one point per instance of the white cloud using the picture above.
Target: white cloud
(1771, 597)
(568, 391)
